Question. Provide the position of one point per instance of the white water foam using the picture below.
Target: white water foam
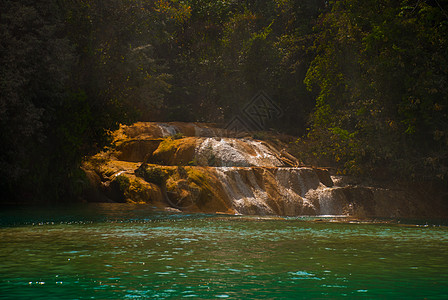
(247, 198)
(167, 130)
(288, 182)
(230, 152)
(331, 201)
(264, 156)
(299, 189)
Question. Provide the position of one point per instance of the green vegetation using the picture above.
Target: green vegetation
(153, 174)
(169, 145)
(364, 84)
(123, 183)
(380, 74)
(192, 163)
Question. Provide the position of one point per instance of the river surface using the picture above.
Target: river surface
(120, 251)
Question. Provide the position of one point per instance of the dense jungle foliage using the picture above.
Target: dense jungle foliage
(364, 84)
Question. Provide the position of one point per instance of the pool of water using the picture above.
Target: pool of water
(118, 251)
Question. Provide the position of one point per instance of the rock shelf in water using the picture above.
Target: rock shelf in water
(199, 168)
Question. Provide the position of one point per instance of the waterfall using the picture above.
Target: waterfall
(279, 191)
(256, 182)
(216, 173)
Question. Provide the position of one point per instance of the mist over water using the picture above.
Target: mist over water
(117, 251)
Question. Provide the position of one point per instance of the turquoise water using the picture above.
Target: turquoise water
(116, 251)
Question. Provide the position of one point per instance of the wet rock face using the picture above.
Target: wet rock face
(174, 152)
(195, 167)
(136, 150)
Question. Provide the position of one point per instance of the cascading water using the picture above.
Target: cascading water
(246, 195)
(327, 203)
(232, 152)
(251, 175)
(167, 130)
(195, 167)
(283, 191)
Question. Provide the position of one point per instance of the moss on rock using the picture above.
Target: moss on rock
(175, 151)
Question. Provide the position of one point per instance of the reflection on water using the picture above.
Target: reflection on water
(119, 251)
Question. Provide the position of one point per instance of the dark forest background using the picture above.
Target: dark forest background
(363, 84)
